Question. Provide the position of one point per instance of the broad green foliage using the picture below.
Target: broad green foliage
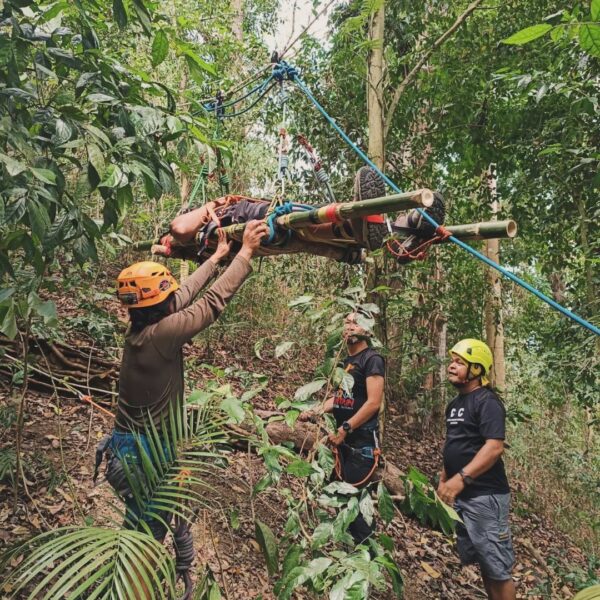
(422, 501)
(109, 563)
(81, 133)
(577, 25)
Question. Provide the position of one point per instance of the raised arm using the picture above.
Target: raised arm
(176, 329)
(192, 286)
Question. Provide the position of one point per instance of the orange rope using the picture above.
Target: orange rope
(338, 466)
(396, 247)
(89, 400)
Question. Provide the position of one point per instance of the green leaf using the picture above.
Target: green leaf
(63, 132)
(417, 477)
(44, 175)
(120, 13)
(449, 510)
(316, 566)
(291, 559)
(384, 504)
(38, 218)
(194, 60)
(301, 301)
(101, 98)
(6, 293)
(386, 541)
(353, 586)
(306, 391)
(367, 510)
(595, 10)
(96, 158)
(9, 322)
(325, 459)
(528, 34)
(282, 348)
(340, 487)
(160, 47)
(234, 408)
(290, 417)
(589, 38)
(300, 468)
(268, 543)
(13, 167)
(113, 177)
(322, 534)
(394, 572)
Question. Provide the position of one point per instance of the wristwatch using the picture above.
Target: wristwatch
(466, 478)
(347, 427)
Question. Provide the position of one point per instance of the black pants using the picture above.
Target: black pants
(355, 467)
(183, 541)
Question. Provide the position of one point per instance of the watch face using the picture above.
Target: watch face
(346, 426)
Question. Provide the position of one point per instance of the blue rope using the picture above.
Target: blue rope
(212, 106)
(283, 209)
(293, 76)
(251, 106)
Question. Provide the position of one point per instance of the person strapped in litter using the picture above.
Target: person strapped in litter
(191, 234)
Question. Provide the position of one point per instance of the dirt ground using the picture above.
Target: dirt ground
(59, 443)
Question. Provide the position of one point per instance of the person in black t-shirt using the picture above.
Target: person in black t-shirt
(356, 414)
(473, 477)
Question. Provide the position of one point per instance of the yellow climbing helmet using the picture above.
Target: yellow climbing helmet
(478, 355)
(145, 284)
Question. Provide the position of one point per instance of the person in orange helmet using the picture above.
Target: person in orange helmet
(163, 317)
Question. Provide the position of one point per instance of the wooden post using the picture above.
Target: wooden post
(494, 326)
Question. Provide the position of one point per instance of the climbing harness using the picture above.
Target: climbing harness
(373, 453)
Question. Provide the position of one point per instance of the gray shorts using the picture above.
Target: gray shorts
(484, 536)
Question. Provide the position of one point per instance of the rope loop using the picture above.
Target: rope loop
(338, 466)
(283, 71)
(397, 248)
(285, 208)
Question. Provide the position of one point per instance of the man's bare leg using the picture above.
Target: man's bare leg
(500, 590)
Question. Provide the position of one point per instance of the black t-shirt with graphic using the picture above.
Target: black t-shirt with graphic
(471, 419)
(346, 404)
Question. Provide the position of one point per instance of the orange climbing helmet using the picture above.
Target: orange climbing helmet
(145, 284)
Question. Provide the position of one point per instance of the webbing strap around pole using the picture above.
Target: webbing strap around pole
(565, 311)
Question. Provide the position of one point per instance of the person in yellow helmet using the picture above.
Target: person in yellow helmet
(473, 478)
(163, 317)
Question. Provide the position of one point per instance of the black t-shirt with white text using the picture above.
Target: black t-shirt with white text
(471, 419)
(365, 363)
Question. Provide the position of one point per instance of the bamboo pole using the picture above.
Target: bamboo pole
(486, 230)
(334, 213)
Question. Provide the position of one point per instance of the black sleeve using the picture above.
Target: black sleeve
(492, 418)
(375, 365)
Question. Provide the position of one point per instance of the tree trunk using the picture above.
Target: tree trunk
(237, 21)
(375, 104)
(494, 326)
(592, 306)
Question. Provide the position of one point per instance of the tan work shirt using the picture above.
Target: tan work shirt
(151, 375)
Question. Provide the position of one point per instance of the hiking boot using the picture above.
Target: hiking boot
(369, 231)
(437, 211)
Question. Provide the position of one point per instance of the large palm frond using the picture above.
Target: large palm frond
(110, 564)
